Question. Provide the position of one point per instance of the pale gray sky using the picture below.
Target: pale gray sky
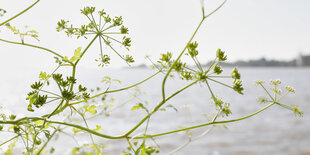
(245, 29)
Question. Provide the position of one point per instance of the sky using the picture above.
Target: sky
(274, 29)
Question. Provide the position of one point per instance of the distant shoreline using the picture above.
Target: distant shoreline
(262, 62)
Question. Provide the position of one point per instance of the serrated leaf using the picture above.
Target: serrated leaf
(77, 54)
(135, 107)
(33, 31)
(38, 122)
(44, 76)
(75, 130)
(98, 127)
(91, 109)
(32, 99)
(171, 106)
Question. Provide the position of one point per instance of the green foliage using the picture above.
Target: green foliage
(2, 12)
(30, 33)
(74, 103)
(221, 55)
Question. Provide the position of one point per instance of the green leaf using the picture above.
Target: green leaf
(44, 76)
(32, 98)
(77, 54)
(98, 127)
(12, 117)
(171, 106)
(135, 107)
(76, 130)
(143, 151)
(91, 109)
(39, 122)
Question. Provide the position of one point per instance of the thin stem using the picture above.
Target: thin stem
(48, 140)
(86, 124)
(9, 140)
(130, 145)
(112, 33)
(51, 93)
(87, 130)
(153, 63)
(213, 96)
(199, 64)
(285, 106)
(107, 27)
(117, 90)
(213, 62)
(179, 57)
(113, 39)
(48, 50)
(215, 9)
(282, 96)
(114, 50)
(221, 83)
(190, 140)
(210, 123)
(55, 99)
(168, 98)
(20, 13)
(53, 113)
(219, 76)
(266, 91)
(194, 71)
(190, 40)
(156, 108)
(86, 49)
(100, 44)
(74, 70)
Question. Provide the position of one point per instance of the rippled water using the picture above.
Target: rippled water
(274, 131)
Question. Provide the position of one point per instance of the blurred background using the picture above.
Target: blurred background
(266, 39)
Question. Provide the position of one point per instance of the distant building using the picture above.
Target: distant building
(303, 60)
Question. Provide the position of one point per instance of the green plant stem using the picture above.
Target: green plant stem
(101, 51)
(190, 140)
(267, 91)
(92, 41)
(215, 9)
(117, 90)
(181, 90)
(87, 130)
(48, 140)
(130, 145)
(112, 33)
(51, 93)
(210, 76)
(74, 71)
(9, 140)
(213, 96)
(115, 50)
(175, 62)
(220, 83)
(190, 40)
(210, 123)
(48, 50)
(213, 62)
(20, 13)
(282, 96)
(113, 39)
(55, 110)
(285, 106)
(25, 119)
(157, 107)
